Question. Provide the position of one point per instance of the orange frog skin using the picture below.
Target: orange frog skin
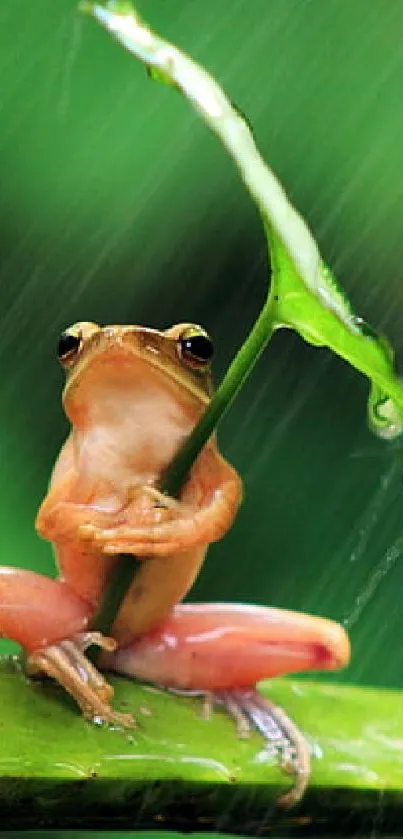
(132, 395)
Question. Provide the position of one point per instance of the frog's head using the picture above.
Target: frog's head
(109, 368)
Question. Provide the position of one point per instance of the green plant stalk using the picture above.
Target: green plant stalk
(119, 583)
(238, 371)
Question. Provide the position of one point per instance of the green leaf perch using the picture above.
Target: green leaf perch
(176, 771)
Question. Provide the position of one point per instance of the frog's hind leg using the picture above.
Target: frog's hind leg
(223, 650)
(36, 610)
(50, 621)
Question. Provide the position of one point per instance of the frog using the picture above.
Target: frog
(132, 396)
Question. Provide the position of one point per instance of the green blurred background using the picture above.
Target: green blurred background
(117, 205)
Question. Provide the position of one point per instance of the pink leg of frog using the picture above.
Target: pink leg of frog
(223, 650)
(50, 621)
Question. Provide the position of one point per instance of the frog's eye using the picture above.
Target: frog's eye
(68, 346)
(196, 347)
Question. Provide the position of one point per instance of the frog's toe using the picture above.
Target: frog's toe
(160, 499)
(251, 710)
(112, 540)
(135, 548)
(141, 548)
(83, 640)
(90, 534)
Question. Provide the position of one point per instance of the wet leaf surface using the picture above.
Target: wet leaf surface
(178, 770)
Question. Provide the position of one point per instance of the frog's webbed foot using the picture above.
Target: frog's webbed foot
(250, 710)
(67, 663)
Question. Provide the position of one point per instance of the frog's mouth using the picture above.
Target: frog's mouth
(116, 376)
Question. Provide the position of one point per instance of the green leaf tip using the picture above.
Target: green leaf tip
(384, 419)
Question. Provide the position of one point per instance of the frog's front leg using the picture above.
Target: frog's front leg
(223, 650)
(49, 620)
(60, 516)
(206, 510)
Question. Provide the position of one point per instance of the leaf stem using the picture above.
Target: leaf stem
(239, 369)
